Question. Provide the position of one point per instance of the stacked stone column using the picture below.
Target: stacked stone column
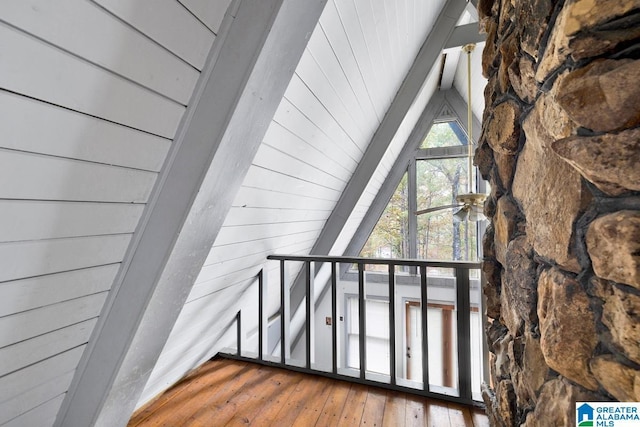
(561, 148)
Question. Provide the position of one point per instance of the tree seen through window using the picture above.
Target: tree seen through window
(438, 180)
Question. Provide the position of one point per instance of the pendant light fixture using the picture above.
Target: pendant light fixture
(472, 203)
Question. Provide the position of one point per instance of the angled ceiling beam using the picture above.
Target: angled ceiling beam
(465, 34)
(239, 90)
(429, 53)
(422, 127)
(459, 105)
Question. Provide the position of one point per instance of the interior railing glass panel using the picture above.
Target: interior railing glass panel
(421, 332)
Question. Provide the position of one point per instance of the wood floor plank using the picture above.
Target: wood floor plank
(231, 393)
(263, 398)
(207, 401)
(373, 408)
(226, 403)
(334, 404)
(155, 405)
(268, 413)
(306, 389)
(179, 399)
(313, 406)
(394, 410)
(352, 411)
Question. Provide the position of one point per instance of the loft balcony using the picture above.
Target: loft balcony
(419, 359)
(422, 332)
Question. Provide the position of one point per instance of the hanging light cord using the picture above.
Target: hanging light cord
(468, 48)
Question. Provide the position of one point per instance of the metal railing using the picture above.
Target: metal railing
(417, 270)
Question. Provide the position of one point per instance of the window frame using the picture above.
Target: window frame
(435, 153)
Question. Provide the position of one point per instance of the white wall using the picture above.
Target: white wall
(91, 94)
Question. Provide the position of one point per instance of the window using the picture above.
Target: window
(377, 340)
(444, 134)
(436, 175)
(390, 238)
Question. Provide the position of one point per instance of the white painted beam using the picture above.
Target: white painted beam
(459, 105)
(465, 34)
(245, 77)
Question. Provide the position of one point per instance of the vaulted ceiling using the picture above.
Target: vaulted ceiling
(155, 153)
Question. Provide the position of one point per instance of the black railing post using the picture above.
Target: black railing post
(463, 305)
(461, 298)
(362, 325)
(334, 315)
(484, 323)
(260, 314)
(284, 313)
(425, 327)
(392, 323)
(309, 311)
(239, 332)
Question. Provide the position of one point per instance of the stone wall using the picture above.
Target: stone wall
(561, 148)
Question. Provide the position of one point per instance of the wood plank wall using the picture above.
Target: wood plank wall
(91, 94)
(354, 64)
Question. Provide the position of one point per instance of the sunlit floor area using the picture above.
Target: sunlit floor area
(226, 392)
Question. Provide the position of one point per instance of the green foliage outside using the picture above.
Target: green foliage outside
(390, 237)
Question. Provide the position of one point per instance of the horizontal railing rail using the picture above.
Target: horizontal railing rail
(309, 264)
(379, 261)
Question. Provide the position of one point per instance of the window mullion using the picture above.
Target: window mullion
(413, 207)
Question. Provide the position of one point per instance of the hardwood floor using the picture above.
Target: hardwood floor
(231, 393)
